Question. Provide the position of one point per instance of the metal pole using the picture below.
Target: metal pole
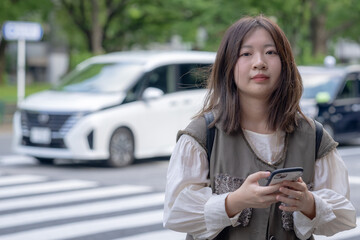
(20, 71)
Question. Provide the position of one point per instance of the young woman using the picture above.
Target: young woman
(254, 92)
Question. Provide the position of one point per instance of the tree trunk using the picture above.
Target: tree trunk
(318, 29)
(96, 31)
(318, 35)
(2, 61)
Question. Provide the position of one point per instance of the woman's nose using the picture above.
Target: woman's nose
(259, 62)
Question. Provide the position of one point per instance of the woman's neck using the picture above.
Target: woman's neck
(254, 115)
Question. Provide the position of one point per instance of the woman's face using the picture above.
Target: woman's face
(258, 68)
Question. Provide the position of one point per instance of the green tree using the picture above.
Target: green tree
(110, 25)
(312, 26)
(97, 26)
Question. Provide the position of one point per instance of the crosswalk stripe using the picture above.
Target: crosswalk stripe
(354, 180)
(45, 187)
(20, 179)
(67, 197)
(85, 228)
(346, 152)
(163, 234)
(83, 210)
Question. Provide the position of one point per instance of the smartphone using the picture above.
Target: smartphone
(289, 174)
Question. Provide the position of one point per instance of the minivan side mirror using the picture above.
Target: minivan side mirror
(322, 97)
(152, 93)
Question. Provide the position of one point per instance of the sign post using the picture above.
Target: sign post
(20, 70)
(21, 31)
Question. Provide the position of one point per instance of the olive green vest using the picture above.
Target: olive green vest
(232, 160)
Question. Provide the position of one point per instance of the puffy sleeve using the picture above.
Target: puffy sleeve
(190, 206)
(334, 211)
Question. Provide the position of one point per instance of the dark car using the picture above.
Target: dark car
(332, 96)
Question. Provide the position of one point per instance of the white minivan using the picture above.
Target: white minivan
(115, 107)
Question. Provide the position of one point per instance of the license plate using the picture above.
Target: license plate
(40, 135)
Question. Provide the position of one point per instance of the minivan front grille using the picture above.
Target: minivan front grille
(42, 119)
(58, 123)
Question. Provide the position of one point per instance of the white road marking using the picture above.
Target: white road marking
(45, 187)
(67, 197)
(349, 151)
(85, 228)
(158, 235)
(82, 210)
(21, 179)
(354, 180)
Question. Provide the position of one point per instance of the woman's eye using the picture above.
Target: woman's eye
(271, 52)
(244, 54)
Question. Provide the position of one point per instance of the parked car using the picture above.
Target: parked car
(115, 107)
(332, 96)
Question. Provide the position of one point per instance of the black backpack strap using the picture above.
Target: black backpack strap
(210, 133)
(319, 133)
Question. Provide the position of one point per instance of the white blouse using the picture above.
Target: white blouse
(192, 207)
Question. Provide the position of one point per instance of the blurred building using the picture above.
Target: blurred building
(347, 51)
(43, 62)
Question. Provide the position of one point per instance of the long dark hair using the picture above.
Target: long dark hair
(223, 94)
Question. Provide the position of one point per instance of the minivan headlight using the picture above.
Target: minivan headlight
(72, 120)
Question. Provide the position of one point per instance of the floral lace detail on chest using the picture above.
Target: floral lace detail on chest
(225, 183)
(287, 220)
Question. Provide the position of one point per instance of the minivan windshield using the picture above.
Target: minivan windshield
(101, 78)
(315, 82)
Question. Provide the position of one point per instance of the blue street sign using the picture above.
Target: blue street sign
(29, 31)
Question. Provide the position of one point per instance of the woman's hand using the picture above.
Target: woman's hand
(296, 197)
(251, 195)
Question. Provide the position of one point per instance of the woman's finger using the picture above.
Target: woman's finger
(255, 177)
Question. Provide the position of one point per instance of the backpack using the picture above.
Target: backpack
(210, 134)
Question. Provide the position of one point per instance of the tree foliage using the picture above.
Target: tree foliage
(98, 26)
(20, 10)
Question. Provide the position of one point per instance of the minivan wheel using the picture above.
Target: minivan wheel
(46, 161)
(121, 148)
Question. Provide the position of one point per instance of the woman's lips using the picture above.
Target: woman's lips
(260, 78)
